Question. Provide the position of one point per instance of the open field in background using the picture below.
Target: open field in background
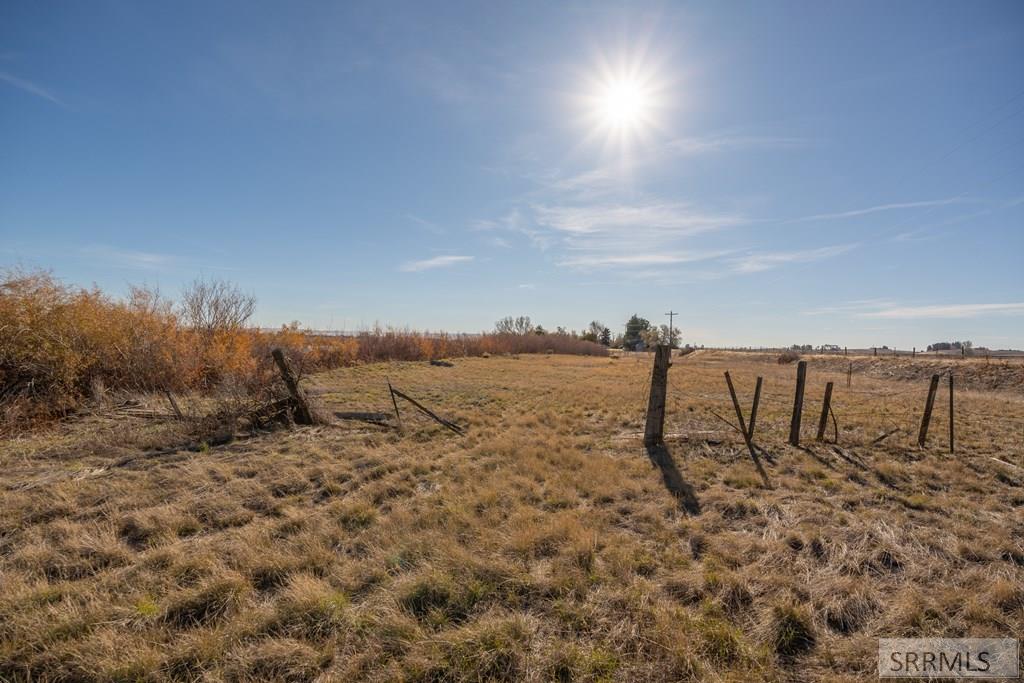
(543, 545)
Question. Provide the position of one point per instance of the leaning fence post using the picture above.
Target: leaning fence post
(174, 404)
(951, 412)
(826, 406)
(753, 410)
(302, 413)
(747, 435)
(926, 418)
(798, 403)
(654, 431)
(394, 402)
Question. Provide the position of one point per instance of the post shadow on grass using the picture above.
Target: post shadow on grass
(841, 452)
(674, 482)
(814, 454)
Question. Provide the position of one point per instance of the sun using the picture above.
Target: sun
(623, 104)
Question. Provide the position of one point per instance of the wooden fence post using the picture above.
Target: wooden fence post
(302, 413)
(753, 410)
(825, 407)
(849, 374)
(747, 435)
(394, 402)
(798, 403)
(654, 431)
(951, 412)
(174, 405)
(927, 417)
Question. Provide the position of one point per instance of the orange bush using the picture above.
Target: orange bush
(59, 343)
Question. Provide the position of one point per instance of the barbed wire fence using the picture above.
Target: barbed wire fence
(865, 412)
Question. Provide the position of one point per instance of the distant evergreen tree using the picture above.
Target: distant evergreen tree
(606, 337)
(635, 327)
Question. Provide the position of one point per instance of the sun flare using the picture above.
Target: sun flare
(624, 104)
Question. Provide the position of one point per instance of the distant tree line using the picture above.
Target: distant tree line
(639, 333)
(951, 346)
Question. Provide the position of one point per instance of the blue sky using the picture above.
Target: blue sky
(848, 173)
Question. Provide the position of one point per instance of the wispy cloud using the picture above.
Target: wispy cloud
(877, 209)
(628, 235)
(429, 226)
(919, 235)
(30, 87)
(679, 219)
(758, 262)
(946, 311)
(593, 182)
(707, 144)
(125, 258)
(432, 263)
(856, 306)
(514, 221)
(640, 259)
(609, 178)
(499, 242)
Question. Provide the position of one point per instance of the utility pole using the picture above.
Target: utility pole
(671, 330)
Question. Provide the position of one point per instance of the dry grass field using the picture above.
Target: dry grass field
(544, 545)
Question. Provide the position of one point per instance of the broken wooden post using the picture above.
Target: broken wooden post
(394, 402)
(447, 423)
(654, 431)
(753, 409)
(302, 413)
(927, 417)
(826, 406)
(174, 405)
(798, 403)
(745, 433)
(951, 412)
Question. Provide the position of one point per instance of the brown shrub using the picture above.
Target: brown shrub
(788, 356)
(61, 346)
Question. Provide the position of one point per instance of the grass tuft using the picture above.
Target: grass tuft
(792, 631)
(206, 603)
(285, 660)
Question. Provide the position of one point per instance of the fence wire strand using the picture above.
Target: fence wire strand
(859, 414)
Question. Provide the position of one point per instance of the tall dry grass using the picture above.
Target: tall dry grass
(61, 344)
